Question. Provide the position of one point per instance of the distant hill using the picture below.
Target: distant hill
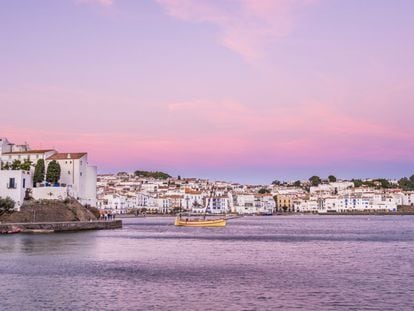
(50, 211)
(156, 175)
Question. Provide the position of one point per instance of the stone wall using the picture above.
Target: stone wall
(64, 226)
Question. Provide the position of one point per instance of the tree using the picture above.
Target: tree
(39, 173)
(16, 165)
(406, 184)
(412, 179)
(383, 183)
(331, 178)
(315, 181)
(276, 182)
(53, 172)
(264, 190)
(155, 175)
(6, 206)
(26, 165)
(297, 183)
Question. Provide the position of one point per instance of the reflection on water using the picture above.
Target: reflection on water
(255, 263)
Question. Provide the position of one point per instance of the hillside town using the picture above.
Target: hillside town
(133, 192)
(46, 174)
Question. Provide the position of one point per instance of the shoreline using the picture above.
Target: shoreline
(66, 226)
(126, 216)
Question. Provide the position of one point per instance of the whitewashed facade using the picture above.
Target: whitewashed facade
(15, 184)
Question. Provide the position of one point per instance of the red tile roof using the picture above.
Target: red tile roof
(28, 152)
(68, 156)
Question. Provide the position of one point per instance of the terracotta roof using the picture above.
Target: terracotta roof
(28, 152)
(68, 156)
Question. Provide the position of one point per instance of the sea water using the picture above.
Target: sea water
(255, 263)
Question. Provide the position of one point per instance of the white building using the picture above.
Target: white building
(333, 187)
(264, 203)
(306, 206)
(408, 198)
(77, 175)
(14, 184)
(115, 203)
(192, 200)
(218, 204)
(31, 155)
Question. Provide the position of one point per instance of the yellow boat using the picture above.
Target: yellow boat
(200, 222)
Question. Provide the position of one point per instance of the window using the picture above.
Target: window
(24, 183)
(68, 172)
(81, 173)
(12, 183)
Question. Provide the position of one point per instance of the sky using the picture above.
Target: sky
(239, 90)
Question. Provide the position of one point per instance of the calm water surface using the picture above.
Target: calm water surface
(255, 263)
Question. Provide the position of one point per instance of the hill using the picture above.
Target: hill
(51, 211)
(155, 175)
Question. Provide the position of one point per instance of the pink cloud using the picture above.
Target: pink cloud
(246, 27)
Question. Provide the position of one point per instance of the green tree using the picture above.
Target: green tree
(331, 178)
(26, 165)
(155, 175)
(406, 184)
(276, 182)
(39, 173)
(53, 172)
(383, 183)
(315, 181)
(264, 190)
(297, 183)
(16, 165)
(412, 179)
(6, 206)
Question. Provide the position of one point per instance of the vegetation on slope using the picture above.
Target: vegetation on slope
(155, 175)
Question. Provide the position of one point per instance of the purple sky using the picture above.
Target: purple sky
(249, 90)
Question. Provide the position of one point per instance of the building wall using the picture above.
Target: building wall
(90, 185)
(49, 193)
(17, 192)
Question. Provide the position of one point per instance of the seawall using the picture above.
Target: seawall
(62, 226)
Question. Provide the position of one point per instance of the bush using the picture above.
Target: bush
(6, 206)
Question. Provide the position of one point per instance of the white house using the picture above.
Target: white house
(408, 198)
(306, 206)
(264, 203)
(77, 175)
(14, 184)
(218, 204)
(192, 200)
